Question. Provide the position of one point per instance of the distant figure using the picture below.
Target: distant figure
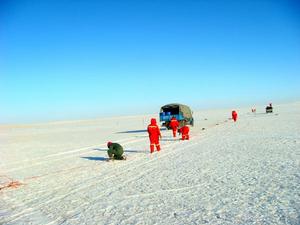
(184, 131)
(269, 109)
(174, 124)
(253, 110)
(234, 115)
(115, 151)
(154, 135)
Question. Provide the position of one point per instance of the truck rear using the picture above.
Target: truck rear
(181, 112)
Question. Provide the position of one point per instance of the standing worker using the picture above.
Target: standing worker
(174, 124)
(154, 135)
(234, 115)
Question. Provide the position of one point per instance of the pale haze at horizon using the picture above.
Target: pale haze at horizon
(63, 60)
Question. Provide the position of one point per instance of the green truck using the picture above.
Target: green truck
(181, 112)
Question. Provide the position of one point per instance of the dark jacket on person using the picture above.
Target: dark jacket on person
(115, 151)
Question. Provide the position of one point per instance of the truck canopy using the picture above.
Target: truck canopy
(181, 112)
(175, 109)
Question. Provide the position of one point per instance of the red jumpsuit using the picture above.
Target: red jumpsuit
(185, 132)
(174, 125)
(154, 135)
(234, 115)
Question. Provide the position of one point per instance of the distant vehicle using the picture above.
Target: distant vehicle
(179, 111)
(269, 109)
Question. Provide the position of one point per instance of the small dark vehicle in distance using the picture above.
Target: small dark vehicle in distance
(269, 108)
(181, 112)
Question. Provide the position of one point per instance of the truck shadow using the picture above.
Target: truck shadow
(135, 131)
(95, 158)
(131, 131)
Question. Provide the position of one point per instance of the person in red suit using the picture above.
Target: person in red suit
(174, 124)
(185, 132)
(154, 135)
(234, 115)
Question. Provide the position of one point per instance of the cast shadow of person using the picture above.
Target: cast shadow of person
(95, 158)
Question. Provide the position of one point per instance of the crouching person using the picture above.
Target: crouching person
(184, 131)
(115, 151)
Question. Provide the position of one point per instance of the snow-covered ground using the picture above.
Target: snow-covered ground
(246, 172)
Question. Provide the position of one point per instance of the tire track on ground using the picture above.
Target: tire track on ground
(154, 160)
(42, 162)
(108, 177)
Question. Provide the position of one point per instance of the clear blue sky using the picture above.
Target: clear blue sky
(83, 59)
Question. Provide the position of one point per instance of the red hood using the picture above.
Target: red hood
(153, 121)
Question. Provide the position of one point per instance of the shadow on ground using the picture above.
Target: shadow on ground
(135, 131)
(95, 158)
(105, 150)
(131, 131)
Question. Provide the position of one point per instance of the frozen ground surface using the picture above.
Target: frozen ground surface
(246, 172)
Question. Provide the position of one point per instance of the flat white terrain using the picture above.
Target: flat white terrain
(246, 172)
